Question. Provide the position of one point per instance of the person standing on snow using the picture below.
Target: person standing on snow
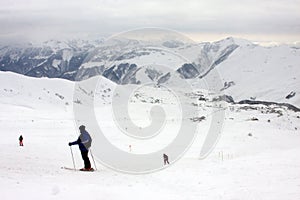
(21, 140)
(166, 159)
(84, 142)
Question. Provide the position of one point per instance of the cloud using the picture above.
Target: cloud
(44, 19)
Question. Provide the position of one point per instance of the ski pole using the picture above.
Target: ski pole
(72, 158)
(93, 159)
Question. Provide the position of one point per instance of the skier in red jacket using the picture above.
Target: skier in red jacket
(21, 140)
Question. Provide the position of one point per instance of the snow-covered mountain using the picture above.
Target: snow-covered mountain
(117, 60)
(131, 61)
(53, 59)
(254, 73)
(247, 71)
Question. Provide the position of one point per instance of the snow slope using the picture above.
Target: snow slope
(264, 165)
(262, 73)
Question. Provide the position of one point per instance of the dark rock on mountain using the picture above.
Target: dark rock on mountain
(188, 71)
(292, 94)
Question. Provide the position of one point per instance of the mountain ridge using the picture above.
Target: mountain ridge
(69, 59)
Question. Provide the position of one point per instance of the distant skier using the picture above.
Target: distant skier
(84, 142)
(130, 148)
(21, 140)
(166, 159)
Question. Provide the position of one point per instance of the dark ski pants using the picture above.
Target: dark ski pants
(85, 157)
(166, 161)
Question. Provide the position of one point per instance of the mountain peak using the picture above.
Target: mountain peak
(237, 41)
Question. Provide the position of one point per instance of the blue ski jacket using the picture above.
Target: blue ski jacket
(84, 141)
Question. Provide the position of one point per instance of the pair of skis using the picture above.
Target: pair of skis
(83, 170)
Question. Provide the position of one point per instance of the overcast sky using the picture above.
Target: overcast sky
(202, 20)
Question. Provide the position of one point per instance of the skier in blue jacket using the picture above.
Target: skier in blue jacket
(84, 142)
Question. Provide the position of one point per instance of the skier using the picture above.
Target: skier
(21, 140)
(84, 142)
(166, 159)
(130, 148)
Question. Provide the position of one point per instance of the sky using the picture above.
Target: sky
(201, 20)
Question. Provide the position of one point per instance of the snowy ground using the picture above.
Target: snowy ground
(262, 166)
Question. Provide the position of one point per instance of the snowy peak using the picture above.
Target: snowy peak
(238, 41)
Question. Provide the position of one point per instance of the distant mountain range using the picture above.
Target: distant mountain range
(119, 61)
(247, 70)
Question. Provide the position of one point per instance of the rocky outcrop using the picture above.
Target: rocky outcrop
(268, 103)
